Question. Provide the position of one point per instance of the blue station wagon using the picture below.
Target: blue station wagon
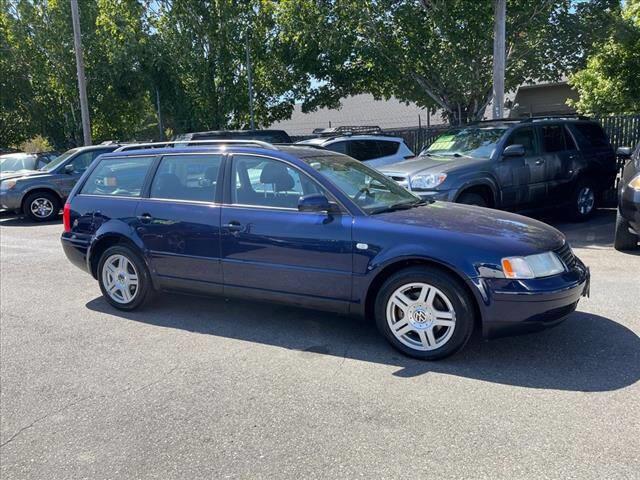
(320, 230)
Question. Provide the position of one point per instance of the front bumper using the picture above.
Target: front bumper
(10, 200)
(442, 195)
(523, 306)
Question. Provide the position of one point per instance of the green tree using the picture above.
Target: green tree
(610, 82)
(437, 53)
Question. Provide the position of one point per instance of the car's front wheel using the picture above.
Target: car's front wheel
(624, 239)
(124, 278)
(425, 313)
(42, 206)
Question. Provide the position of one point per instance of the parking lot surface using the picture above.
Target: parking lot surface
(207, 388)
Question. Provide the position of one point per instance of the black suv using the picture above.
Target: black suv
(628, 214)
(515, 165)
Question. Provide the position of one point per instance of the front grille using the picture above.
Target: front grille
(566, 255)
(400, 179)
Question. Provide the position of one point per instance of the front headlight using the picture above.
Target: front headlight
(635, 182)
(7, 185)
(532, 266)
(429, 180)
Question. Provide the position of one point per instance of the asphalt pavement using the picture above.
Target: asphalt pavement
(206, 388)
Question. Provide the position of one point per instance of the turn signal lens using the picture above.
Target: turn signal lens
(66, 217)
(516, 267)
(635, 182)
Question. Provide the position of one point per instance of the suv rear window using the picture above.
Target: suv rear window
(388, 147)
(118, 177)
(591, 135)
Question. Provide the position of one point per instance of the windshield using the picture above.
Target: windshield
(54, 163)
(370, 190)
(21, 161)
(470, 141)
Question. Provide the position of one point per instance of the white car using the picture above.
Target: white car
(374, 150)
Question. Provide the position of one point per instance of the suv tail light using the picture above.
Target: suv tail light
(66, 217)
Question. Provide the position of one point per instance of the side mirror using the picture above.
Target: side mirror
(624, 152)
(69, 169)
(315, 202)
(513, 151)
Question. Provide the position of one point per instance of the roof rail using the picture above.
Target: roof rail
(195, 143)
(569, 116)
(493, 120)
(348, 130)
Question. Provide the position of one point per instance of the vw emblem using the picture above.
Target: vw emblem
(420, 316)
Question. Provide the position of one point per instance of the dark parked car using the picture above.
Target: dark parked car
(13, 162)
(515, 165)
(270, 136)
(41, 191)
(628, 214)
(316, 229)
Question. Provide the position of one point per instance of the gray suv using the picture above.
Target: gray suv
(515, 165)
(40, 194)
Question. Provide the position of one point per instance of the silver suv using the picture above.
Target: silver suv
(40, 194)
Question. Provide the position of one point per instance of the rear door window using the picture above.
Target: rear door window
(118, 177)
(187, 177)
(553, 138)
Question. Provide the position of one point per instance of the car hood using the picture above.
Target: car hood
(22, 174)
(485, 228)
(435, 163)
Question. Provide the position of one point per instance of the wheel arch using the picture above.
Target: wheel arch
(34, 190)
(401, 264)
(484, 188)
(105, 241)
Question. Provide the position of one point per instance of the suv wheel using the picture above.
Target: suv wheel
(425, 313)
(624, 239)
(583, 201)
(471, 198)
(42, 206)
(124, 278)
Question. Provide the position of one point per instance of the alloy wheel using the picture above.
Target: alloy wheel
(586, 200)
(120, 278)
(421, 316)
(41, 207)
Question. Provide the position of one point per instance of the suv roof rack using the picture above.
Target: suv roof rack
(495, 120)
(195, 143)
(570, 116)
(347, 130)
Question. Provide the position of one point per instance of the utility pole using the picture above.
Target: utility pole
(500, 15)
(82, 85)
(160, 126)
(250, 80)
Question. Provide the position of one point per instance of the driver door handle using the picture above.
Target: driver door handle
(145, 218)
(234, 226)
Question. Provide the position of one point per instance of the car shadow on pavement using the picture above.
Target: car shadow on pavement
(17, 221)
(586, 353)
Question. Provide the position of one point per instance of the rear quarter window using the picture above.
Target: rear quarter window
(388, 147)
(590, 135)
(118, 177)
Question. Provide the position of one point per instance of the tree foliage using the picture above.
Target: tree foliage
(437, 53)
(610, 83)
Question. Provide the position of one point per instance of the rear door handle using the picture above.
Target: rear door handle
(234, 226)
(145, 218)
(539, 161)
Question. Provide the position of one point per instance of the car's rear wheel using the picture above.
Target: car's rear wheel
(471, 198)
(425, 313)
(42, 206)
(624, 239)
(124, 278)
(583, 201)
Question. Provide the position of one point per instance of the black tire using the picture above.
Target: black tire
(624, 239)
(49, 202)
(456, 294)
(144, 290)
(470, 198)
(578, 210)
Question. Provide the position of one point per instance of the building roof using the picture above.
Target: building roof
(358, 110)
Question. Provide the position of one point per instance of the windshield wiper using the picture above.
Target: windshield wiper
(400, 206)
